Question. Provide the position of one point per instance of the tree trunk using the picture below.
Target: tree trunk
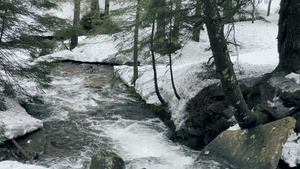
(3, 25)
(106, 7)
(76, 18)
(289, 36)
(198, 23)
(135, 43)
(253, 11)
(162, 101)
(95, 13)
(95, 8)
(224, 66)
(161, 24)
(177, 20)
(269, 7)
(172, 77)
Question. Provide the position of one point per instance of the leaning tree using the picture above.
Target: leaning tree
(215, 27)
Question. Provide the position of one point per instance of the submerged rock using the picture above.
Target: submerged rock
(35, 143)
(107, 160)
(256, 148)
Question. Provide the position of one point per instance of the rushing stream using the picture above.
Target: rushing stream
(89, 111)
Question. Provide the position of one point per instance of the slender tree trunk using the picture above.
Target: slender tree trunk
(224, 66)
(162, 101)
(161, 23)
(95, 13)
(172, 77)
(269, 7)
(135, 43)
(289, 36)
(253, 11)
(170, 42)
(95, 8)
(106, 7)
(3, 25)
(76, 18)
(198, 23)
(177, 20)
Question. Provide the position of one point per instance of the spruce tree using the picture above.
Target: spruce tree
(22, 33)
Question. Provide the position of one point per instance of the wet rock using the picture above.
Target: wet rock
(4, 153)
(34, 144)
(255, 148)
(206, 115)
(105, 160)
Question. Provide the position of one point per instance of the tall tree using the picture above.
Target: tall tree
(177, 20)
(106, 7)
(162, 101)
(135, 43)
(18, 35)
(171, 42)
(95, 8)
(198, 21)
(289, 36)
(160, 33)
(75, 29)
(224, 66)
(269, 7)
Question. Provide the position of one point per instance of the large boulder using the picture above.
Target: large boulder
(256, 148)
(107, 160)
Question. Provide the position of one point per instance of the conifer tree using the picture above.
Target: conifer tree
(75, 29)
(21, 33)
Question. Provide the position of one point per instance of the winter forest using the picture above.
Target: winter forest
(168, 84)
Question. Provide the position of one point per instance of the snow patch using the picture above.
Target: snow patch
(17, 165)
(16, 120)
(291, 150)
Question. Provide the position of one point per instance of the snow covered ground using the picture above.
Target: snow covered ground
(256, 56)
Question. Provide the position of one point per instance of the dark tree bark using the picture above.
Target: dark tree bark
(224, 66)
(161, 23)
(177, 20)
(95, 8)
(269, 7)
(289, 36)
(106, 7)
(198, 23)
(169, 47)
(76, 19)
(135, 43)
(162, 101)
(253, 11)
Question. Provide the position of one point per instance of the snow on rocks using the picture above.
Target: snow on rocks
(291, 150)
(16, 120)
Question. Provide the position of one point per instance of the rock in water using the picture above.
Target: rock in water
(256, 148)
(107, 160)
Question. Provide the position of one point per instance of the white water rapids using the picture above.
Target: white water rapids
(88, 110)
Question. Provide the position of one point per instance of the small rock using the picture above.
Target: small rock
(107, 160)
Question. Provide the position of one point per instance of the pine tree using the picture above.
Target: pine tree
(22, 34)
(75, 29)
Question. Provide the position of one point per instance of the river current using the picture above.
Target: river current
(89, 110)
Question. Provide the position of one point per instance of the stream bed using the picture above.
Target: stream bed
(89, 110)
